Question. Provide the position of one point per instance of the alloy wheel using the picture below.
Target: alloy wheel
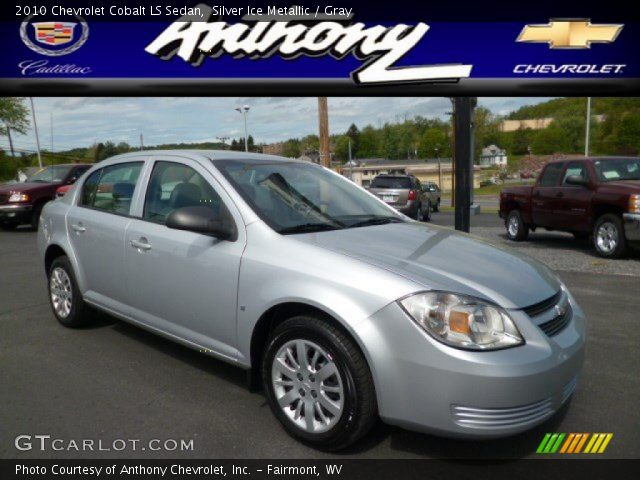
(607, 237)
(513, 226)
(308, 386)
(61, 292)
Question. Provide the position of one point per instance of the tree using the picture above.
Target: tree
(369, 143)
(354, 134)
(431, 139)
(521, 140)
(291, 148)
(341, 148)
(628, 135)
(250, 143)
(14, 114)
(486, 129)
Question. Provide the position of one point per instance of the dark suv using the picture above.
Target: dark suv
(405, 193)
(22, 203)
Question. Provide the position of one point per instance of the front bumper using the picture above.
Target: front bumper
(424, 385)
(15, 213)
(631, 226)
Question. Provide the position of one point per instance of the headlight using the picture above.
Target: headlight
(19, 197)
(461, 321)
(634, 203)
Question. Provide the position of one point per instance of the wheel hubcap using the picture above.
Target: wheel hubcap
(513, 226)
(61, 292)
(607, 237)
(307, 386)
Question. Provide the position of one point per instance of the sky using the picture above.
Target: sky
(81, 121)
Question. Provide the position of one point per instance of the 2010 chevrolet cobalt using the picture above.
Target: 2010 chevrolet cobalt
(343, 308)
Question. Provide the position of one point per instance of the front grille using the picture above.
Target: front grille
(557, 324)
(551, 315)
(3, 198)
(541, 307)
(498, 418)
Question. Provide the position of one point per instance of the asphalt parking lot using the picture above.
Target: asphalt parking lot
(114, 381)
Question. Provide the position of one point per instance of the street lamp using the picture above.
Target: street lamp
(244, 110)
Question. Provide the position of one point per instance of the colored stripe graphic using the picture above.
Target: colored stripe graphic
(573, 443)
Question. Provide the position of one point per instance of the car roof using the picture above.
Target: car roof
(593, 159)
(208, 154)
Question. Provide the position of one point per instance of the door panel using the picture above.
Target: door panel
(572, 205)
(180, 282)
(544, 196)
(97, 226)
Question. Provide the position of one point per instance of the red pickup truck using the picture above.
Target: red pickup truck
(22, 202)
(592, 197)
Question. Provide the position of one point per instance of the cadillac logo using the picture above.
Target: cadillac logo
(47, 37)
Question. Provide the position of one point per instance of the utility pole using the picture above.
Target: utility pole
(586, 139)
(223, 140)
(437, 149)
(141, 142)
(35, 127)
(323, 120)
(51, 128)
(349, 149)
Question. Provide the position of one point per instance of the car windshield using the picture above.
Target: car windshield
(391, 182)
(612, 169)
(50, 174)
(294, 197)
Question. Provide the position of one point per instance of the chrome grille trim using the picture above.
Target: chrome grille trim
(472, 417)
(556, 325)
(551, 315)
(540, 307)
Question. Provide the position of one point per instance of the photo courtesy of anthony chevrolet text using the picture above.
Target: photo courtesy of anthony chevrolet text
(344, 240)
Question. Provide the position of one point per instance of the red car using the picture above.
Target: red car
(591, 197)
(22, 203)
(60, 191)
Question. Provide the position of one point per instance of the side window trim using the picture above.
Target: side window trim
(93, 197)
(563, 166)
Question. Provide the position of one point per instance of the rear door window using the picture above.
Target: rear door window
(110, 189)
(391, 182)
(551, 175)
(577, 169)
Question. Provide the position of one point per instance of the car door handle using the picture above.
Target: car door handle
(78, 228)
(141, 244)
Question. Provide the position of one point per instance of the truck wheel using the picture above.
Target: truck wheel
(318, 383)
(517, 230)
(608, 236)
(65, 298)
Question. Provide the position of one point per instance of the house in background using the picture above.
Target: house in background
(493, 156)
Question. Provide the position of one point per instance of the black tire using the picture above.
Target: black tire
(360, 408)
(9, 227)
(436, 207)
(419, 213)
(520, 231)
(613, 223)
(426, 214)
(77, 316)
(35, 215)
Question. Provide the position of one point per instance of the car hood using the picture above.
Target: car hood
(439, 258)
(22, 187)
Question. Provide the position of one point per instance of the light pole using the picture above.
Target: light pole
(586, 137)
(244, 110)
(35, 128)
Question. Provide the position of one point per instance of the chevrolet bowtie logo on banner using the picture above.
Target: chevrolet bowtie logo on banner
(574, 443)
(579, 33)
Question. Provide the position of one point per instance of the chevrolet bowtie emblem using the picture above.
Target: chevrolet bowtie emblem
(579, 33)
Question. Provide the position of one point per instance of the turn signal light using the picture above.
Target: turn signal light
(634, 203)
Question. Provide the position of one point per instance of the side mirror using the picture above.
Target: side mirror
(203, 220)
(71, 180)
(576, 180)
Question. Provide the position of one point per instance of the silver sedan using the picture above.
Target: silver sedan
(341, 308)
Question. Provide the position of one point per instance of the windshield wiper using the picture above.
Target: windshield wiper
(309, 227)
(376, 221)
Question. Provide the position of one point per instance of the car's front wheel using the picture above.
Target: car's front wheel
(426, 214)
(65, 298)
(318, 383)
(608, 236)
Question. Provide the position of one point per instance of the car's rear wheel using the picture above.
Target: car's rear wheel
(608, 236)
(35, 215)
(65, 298)
(426, 214)
(318, 383)
(517, 230)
